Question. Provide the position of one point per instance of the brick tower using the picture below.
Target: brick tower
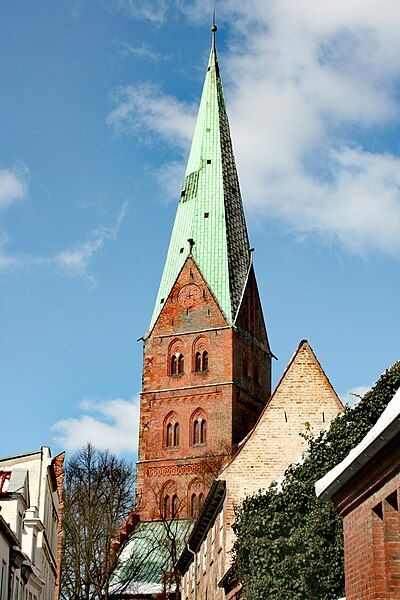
(207, 361)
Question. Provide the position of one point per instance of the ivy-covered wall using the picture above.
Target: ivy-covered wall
(289, 544)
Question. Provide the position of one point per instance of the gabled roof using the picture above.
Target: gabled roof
(304, 344)
(210, 210)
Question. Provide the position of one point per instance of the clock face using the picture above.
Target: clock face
(189, 295)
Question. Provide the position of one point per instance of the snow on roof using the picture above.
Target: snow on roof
(384, 430)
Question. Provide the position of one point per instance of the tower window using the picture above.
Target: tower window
(197, 362)
(169, 436)
(201, 360)
(199, 431)
(194, 506)
(177, 364)
(195, 497)
(183, 193)
(167, 506)
(196, 502)
(175, 506)
(196, 432)
(180, 251)
(172, 432)
(206, 215)
(176, 434)
(209, 161)
(203, 431)
(174, 365)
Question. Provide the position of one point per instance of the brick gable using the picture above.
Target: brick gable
(304, 401)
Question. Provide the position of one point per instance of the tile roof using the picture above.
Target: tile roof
(210, 210)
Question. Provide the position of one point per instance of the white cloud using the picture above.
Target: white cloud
(355, 394)
(74, 261)
(107, 424)
(144, 110)
(170, 176)
(143, 51)
(153, 10)
(311, 89)
(13, 185)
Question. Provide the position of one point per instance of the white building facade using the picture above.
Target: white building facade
(30, 495)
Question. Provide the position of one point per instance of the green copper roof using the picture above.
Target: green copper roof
(146, 556)
(210, 210)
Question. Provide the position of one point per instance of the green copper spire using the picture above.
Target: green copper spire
(210, 211)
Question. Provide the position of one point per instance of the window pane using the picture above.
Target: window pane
(203, 434)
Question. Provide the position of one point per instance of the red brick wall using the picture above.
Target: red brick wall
(370, 503)
(230, 400)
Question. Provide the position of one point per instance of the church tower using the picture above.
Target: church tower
(207, 361)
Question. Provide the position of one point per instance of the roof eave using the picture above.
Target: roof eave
(358, 457)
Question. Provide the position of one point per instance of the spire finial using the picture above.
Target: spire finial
(213, 29)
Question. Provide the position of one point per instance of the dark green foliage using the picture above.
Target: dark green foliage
(289, 545)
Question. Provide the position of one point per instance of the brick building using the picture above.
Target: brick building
(303, 401)
(207, 360)
(365, 489)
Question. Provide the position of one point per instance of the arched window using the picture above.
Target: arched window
(196, 492)
(203, 431)
(194, 506)
(197, 362)
(200, 355)
(175, 506)
(196, 432)
(169, 436)
(199, 428)
(171, 431)
(176, 357)
(174, 364)
(176, 434)
(167, 506)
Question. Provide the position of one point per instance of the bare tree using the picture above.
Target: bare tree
(98, 495)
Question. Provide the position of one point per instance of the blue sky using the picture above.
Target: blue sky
(96, 114)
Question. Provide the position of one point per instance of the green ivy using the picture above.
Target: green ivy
(289, 544)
